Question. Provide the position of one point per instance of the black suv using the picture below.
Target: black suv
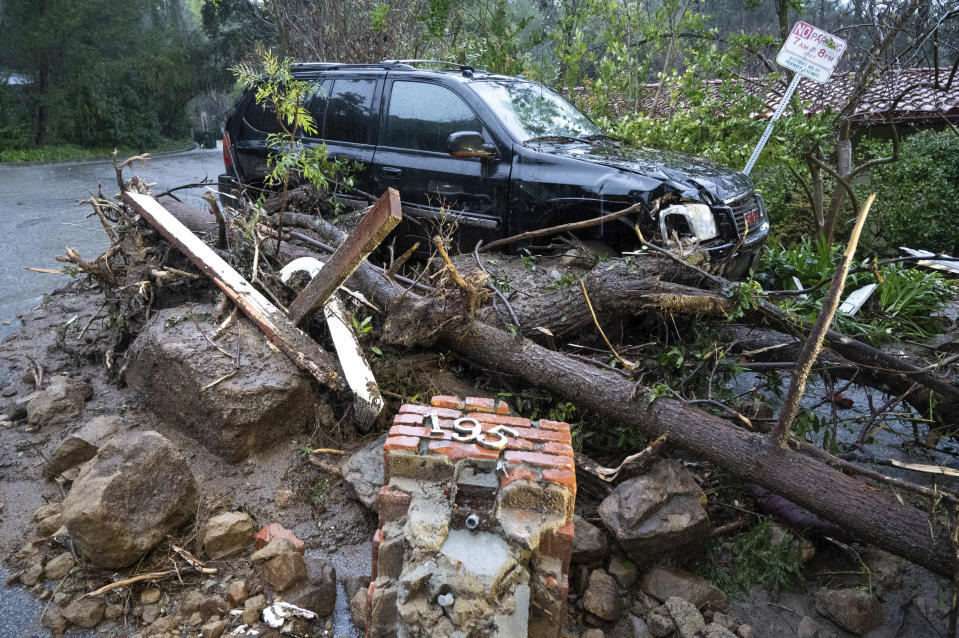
(501, 155)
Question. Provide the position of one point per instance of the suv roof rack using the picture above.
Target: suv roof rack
(328, 66)
(465, 68)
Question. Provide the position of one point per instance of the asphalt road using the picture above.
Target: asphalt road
(40, 216)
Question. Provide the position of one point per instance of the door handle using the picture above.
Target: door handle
(391, 171)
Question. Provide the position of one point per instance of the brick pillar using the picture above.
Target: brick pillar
(476, 523)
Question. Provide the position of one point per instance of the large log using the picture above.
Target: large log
(870, 514)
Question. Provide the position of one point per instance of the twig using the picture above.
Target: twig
(553, 230)
(630, 367)
(89, 323)
(395, 267)
(489, 282)
(142, 577)
(813, 344)
(471, 292)
(223, 378)
(327, 450)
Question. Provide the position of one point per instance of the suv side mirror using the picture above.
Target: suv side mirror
(469, 144)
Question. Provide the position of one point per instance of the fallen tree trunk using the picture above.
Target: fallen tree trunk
(865, 512)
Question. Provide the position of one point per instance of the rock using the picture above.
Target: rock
(689, 622)
(49, 525)
(589, 542)
(53, 620)
(273, 531)
(212, 606)
(358, 607)
(213, 629)
(715, 630)
(134, 492)
(602, 596)
(59, 566)
(364, 472)
(660, 622)
(662, 582)
(85, 612)
(113, 612)
(283, 498)
(722, 619)
(237, 593)
(744, 631)
(252, 609)
(623, 570)
(631, 626)
(285, 570)
(150, 614)
(594, 633)
(657, 514)
(266, 400)
(32, 575)
(82, 445)
(150, 596)
(318, 592)
(50, 509)
(59, 402)
(856, 611)
(275, 548)
(886, 569)
(352, 583)
(226, 534)
(807, 628)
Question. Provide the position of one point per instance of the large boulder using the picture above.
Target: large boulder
(657, 514)
(589, 542)
(364, 472)
(134, 492)
(267, 398)
(82, 445)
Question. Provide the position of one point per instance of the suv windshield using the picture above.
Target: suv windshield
(531, 111)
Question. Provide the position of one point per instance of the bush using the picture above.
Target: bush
(918, 196)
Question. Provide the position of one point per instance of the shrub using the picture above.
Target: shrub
(918, 196)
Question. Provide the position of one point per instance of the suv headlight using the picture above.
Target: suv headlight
(699, 221)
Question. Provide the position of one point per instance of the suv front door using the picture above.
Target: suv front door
(412, 156)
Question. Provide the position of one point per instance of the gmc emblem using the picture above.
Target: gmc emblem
(751, 216)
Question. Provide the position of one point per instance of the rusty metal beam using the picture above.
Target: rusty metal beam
(369, 233)
(295, 344)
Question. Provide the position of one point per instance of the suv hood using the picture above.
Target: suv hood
(695, 177)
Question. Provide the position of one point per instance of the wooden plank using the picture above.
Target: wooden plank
(373, 229)
(295, 344)
(368, 402)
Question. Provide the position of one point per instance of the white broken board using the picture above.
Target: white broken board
(369, 402)
(854, 302)
(951, 267)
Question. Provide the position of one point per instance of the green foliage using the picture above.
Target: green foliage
(918, 196)
(745, 297)
(103, 73)
(275, 86)
(754, 559)
(63, 152)
(903, 307)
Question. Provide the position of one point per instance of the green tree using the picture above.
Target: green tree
(104, 72)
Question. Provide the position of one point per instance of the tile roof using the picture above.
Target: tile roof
(919, 99)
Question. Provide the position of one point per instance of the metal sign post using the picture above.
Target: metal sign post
(809, 52)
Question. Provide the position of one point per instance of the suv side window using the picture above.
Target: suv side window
(422, 116)
(348, 113)
(262, 117)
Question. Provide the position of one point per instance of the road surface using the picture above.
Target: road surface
(40, 215)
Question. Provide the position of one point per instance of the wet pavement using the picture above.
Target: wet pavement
(40, 216)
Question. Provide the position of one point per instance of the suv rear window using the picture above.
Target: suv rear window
(348, 113)
(422, 116)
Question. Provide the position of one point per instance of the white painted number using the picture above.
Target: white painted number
(468, 429)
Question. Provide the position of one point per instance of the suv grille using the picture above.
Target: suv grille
(748, 207)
